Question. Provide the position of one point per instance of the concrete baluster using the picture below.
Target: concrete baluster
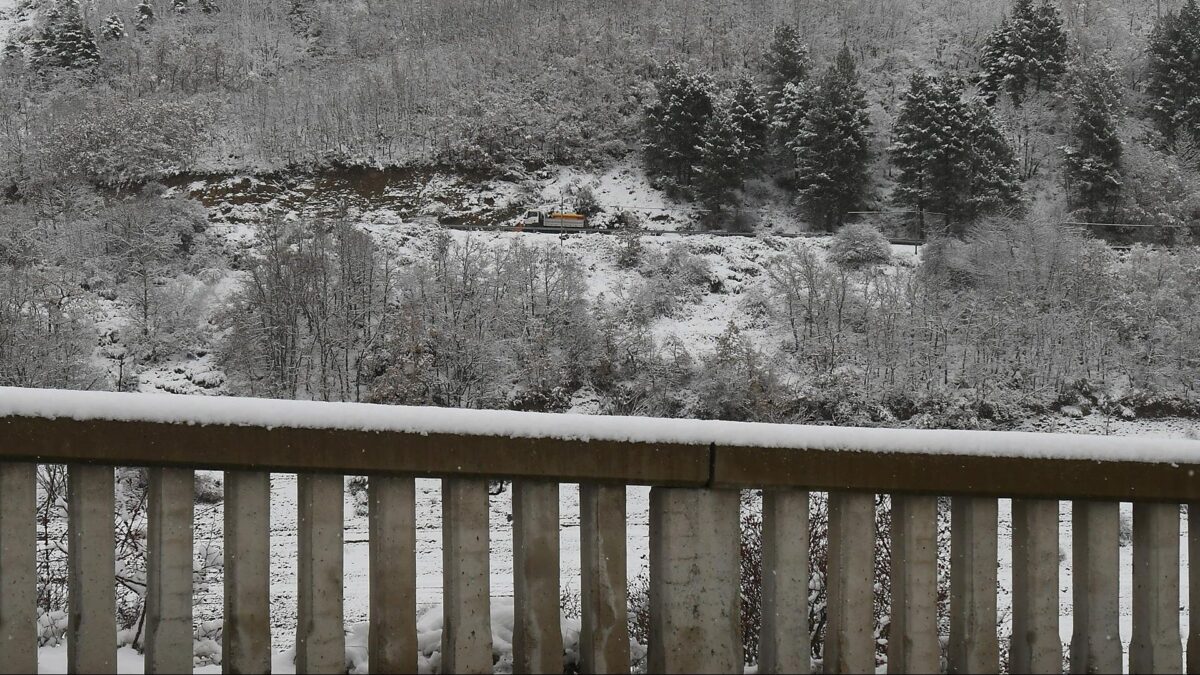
(392, 639)
(695, 599)
(18, 576)
(604, 633)
(246, 634)
(783, 646)
(168, 640)
(320, 632)
(1036, 646)
(537, 629)
(912, 637)
(92, 622)
(467, 624)
(1095, 592)
(849, 635)
(974, 645)
(1155, 646)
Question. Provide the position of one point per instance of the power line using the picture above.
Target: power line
(1086, 224)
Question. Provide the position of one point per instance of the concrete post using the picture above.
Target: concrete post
(783, 646)
(849, 635)
(320, 632)
(246, 635)
(92, 623)
(912, 638)
(467, 629)
(1193, 645)
(168, 640)
(1155, 647)
(695, 600)
(1036, 646)
(604, 634)
(1095, 569)
(537, 628)
(18, 576)
(974, 646)
(392, 640)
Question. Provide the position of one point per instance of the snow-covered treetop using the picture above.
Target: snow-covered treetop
(231, 411)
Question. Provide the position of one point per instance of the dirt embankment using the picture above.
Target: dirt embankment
(449, 196)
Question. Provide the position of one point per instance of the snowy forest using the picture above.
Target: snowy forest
(970, 214)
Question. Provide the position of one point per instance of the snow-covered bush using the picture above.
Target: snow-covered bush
(629, 250)
(1125, 529)
(670, 279)
(209, 487)
(858, 246)
(356, 486)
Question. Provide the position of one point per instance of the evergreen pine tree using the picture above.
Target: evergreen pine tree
(41, 46)
(1046, 44)
(787, 118)
(785, 62)
(993, 176)
(749, 113)
(921, 135)
(831, 148)
(994, 59)
(675, 123)
(65, 41)
(950, 153)
(76, 42)
(113, 29)
(1094, 155)
(1174, 82)
(1027, 49)
(145, 16)
(723, 161)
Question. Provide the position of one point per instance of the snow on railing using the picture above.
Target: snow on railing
(696, 469)
(272, 414)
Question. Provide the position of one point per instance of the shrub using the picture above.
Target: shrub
(629, 251)
(210, 487)
(357, 487)
(858, 246)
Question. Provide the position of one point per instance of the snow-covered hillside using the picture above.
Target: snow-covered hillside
(402, 212)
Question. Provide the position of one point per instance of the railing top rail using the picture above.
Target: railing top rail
(244, 433)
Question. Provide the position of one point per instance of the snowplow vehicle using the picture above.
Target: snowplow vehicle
(553, 219)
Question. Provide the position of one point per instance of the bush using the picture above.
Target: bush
(858, 246)
(357, 487)
(585, 202)
(210, 487)
(629, 251)
(1125, 530)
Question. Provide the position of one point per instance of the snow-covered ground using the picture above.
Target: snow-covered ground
(735, 268)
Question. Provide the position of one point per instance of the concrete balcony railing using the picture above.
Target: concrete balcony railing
(696, 469)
